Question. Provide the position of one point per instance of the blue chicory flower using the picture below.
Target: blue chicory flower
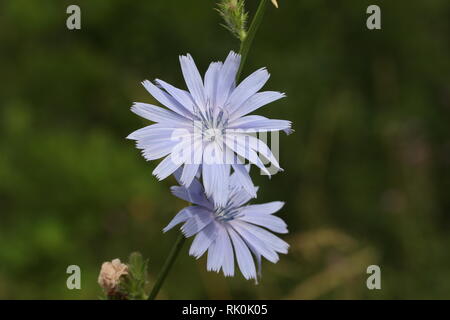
(236, 229)
(209, 125)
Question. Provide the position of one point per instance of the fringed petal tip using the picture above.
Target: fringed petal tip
(131, 136)
(234, 55)
(165, 229)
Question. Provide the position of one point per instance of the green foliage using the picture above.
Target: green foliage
(135, 283)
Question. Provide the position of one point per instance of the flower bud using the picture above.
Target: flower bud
(110, 273)
(235, 17)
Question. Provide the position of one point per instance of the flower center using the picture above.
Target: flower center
(212, 134)
(211, 123)
(226, 214)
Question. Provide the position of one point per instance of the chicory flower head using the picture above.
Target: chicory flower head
(234, 230)
(207, 130)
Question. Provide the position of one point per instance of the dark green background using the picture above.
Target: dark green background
(366, 176)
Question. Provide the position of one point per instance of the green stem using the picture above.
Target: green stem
(246, 44)
(167, 266)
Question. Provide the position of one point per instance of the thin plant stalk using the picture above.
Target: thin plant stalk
(246, 44)
(167, 266)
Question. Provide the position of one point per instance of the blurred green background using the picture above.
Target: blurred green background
(366, 176)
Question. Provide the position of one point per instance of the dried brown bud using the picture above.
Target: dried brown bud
(110, 274)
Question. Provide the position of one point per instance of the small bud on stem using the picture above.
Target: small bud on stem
(233, 12)
(110, 274)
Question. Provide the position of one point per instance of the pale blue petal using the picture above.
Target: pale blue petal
(228, 256)
(239, 145)
(242, 178)
(215, 180)
(264, 208)
(261, 214)
(215, 174)
(189, 173)
(239, 197)
(197, 148)
(157, 141)
(199, 220)
(211, 82)
(193, 80)
(203, 240)
(156, 149)
(257, 244)
(182, 97)
(156, 128)
(180, 217)
(156, 131)
(247, 88)
(157, 114)
(193, 194)
(167, 100)
(267, 237)
(177, 144)
(243, 256)
(255, 102)
(177, 174)
(258, 261)
(169, 134)
(172, 136)
(216, 251)
(259, 146)
(259, 124)
(165, 168)
(227, 77)
(270, 222)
